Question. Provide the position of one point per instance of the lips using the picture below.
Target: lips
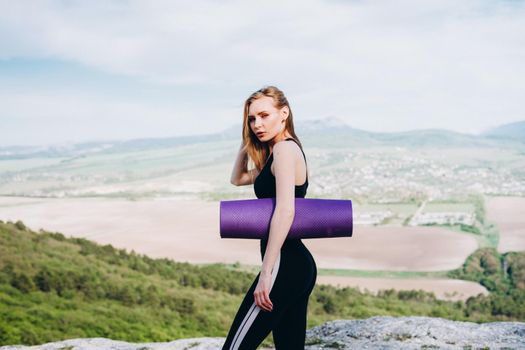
(260, 133)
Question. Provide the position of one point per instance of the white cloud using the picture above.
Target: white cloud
(380, 65)
(70, 116)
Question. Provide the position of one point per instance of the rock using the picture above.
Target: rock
(378, 332)
(109, 344)
(415, 332)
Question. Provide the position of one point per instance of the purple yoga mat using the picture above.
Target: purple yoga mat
(314, 218)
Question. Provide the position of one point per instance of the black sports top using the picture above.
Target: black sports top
(264, 184)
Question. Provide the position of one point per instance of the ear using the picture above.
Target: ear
(285, 112)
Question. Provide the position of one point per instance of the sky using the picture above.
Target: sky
(78, 71)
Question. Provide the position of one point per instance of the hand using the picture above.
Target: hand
(262, 292)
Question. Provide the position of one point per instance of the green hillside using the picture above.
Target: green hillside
(54, 288)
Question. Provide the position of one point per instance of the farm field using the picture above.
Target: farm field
(508, 213)
(443, 288)
(188, 230)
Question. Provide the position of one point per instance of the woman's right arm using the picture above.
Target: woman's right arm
(240, 174)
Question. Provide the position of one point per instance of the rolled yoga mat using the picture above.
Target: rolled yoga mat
(314, 218)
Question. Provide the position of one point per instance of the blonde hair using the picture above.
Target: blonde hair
(259, 151)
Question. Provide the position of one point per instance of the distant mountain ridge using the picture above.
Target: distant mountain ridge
(512, 130)
(330, 131)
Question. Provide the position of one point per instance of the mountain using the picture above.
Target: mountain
(514, 130)
(110, 146)
(432, 138)
(326, 132)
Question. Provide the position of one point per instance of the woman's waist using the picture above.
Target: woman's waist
(291, 247)
(287, 244)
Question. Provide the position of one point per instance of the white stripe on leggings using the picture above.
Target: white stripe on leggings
(252, 312)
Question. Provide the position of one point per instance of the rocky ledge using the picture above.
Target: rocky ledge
(379, 332)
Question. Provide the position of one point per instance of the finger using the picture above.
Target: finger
(257, 299)
(267, 300)
(264, 302)
(260, 302)
(267, 297)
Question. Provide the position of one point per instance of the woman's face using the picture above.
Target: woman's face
(265, 120)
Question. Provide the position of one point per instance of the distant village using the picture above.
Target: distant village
(397, 176)
(431, 218)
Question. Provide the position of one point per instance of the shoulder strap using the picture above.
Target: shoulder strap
(297, 145)
(306, 163)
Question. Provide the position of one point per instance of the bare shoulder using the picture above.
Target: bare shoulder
(285, 149)
(285, 153)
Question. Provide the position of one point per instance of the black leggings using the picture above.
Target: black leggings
(293, 278)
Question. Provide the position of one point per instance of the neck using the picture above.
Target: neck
(276, 139)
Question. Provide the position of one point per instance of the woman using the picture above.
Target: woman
(278, 297)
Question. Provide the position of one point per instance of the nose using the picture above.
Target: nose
(257, 123)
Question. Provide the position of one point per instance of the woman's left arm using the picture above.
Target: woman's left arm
(282, 218)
